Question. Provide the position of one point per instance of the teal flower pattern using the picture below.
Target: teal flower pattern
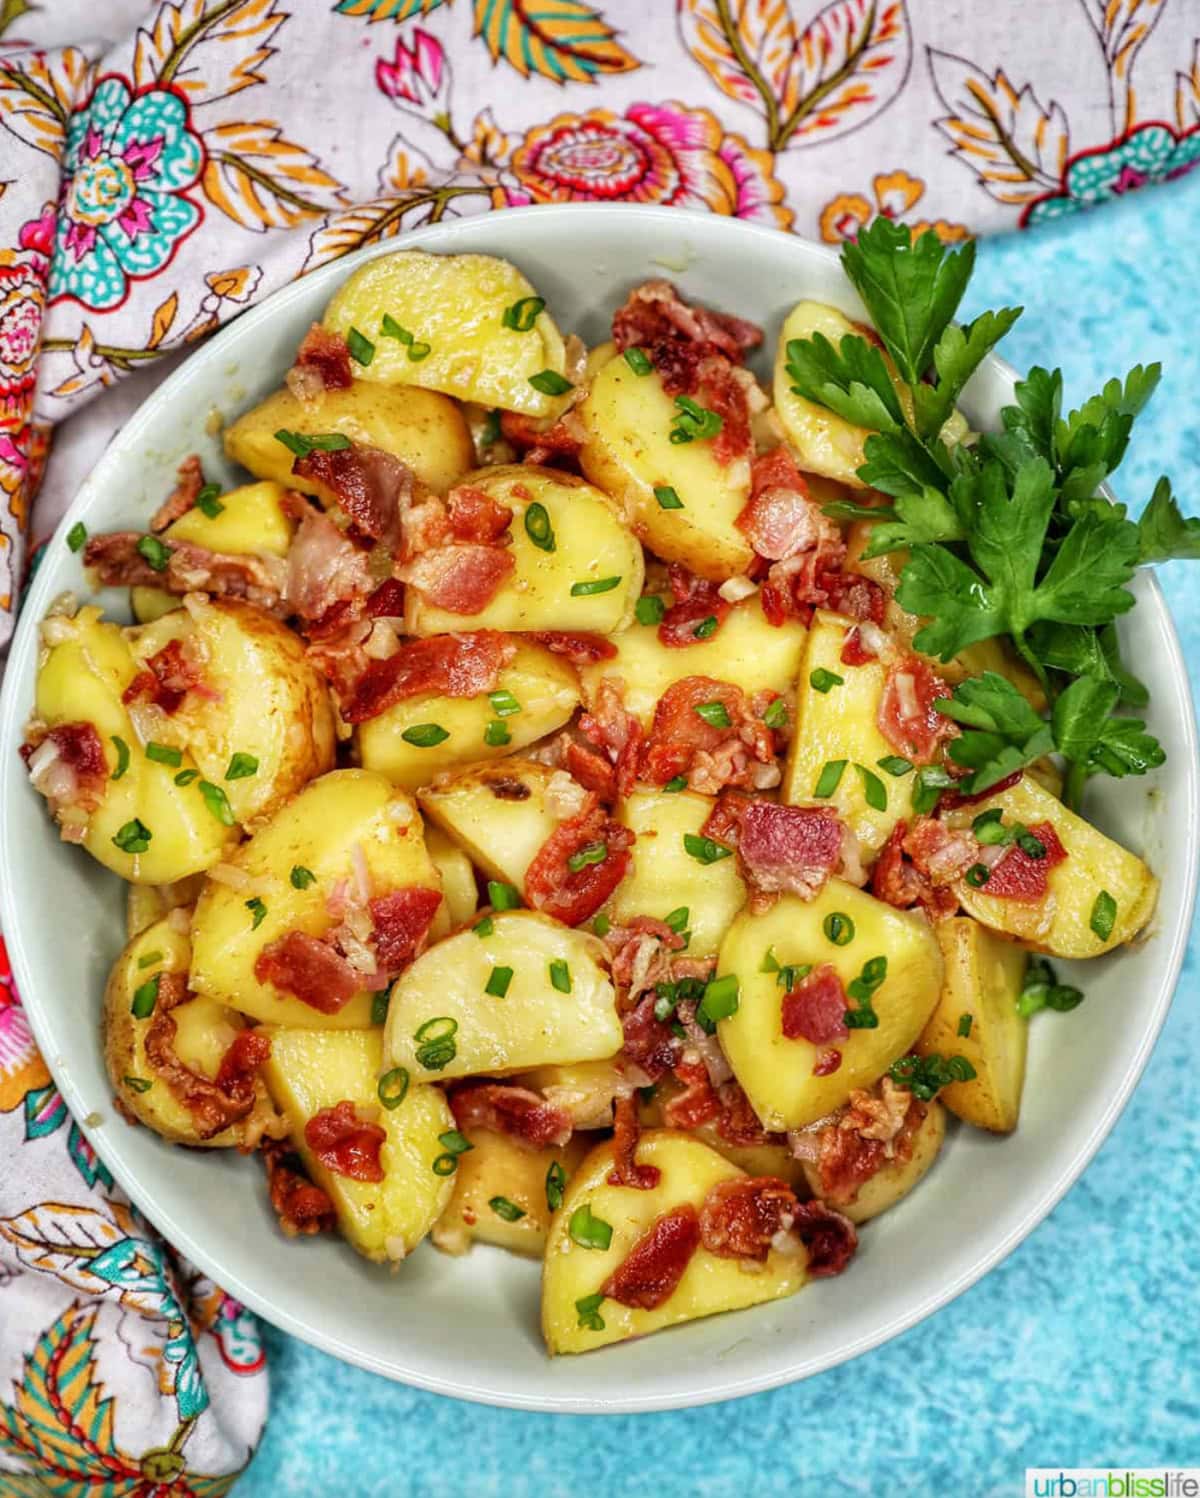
(1148, 153)
(123, 212)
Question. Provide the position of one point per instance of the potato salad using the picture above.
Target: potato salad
(597, 804)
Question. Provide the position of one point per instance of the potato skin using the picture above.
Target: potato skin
(892, 1182)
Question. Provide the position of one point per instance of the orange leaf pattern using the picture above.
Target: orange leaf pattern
(261, 180)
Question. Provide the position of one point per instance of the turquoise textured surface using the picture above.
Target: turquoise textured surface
(1082, 1349)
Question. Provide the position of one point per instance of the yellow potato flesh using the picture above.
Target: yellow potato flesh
(318, 831)
(984, 973)
(531, 1024)
(628, 453)
(271, 703)
(1061, 924)
(841, 724)
(591, 545)
(81, 679)
(824, 442)
(310, 1070)
(497, 1168)
(460, 898)
(500, 830)
(746, 650)
(689, 1170)
(456, 305)
(895, 1179)
(777, 1073)
(543, 683)
(424, 430)
(665, 877)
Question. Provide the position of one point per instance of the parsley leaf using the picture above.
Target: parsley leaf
(924, 511)
(852, 380)
(1163, 533)
(1092, 740)
(957, 355)
(1002, 732)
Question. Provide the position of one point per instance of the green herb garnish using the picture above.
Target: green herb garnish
(522, 315)
(538, 527)
(705, 849)
(242, 766)
(560, 976)
(77, 536)
(145, 997)
(258, 910)
(436, 1047)
(393, 1087)
(154, 552)
(122, 749)
(549, 383)
(301, 877)
(425, 735)
(497, 983)
(502, 1207)
(638, 360)
(824, 681)
(601, 585)
(589, 1231)
(667, 497)
(362, 350)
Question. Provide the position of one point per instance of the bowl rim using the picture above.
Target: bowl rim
(14, 712)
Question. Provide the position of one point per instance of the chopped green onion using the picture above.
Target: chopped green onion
(301, 877)
(390, 328)
(133, 837)
(560, 976)
(862, 991)
(436, 1047)
(720, 998)
(496, 735)
(504, 704)
(601, 585)
(484, 927)
(678, 919)
(258, 910)
(1104, 915)
(503, 896)
(145, 998)
(424, 735)
(928, 787)
(589, 1231)
(137, 1084)
(549, 383)
(706, 628)
(556, 1182)
(380, 1004)
(588, 1307)
(965, 1021)
(589, 853)
(638, 360)
(839, 928)
(154, 552)
(770, 963)
(497, 984)
(791, 974)
(302, 443)
(163, 754)
(217, 802)
(776, 716)
(393, 1087)
(419, 351)
(538, 527)
(823, 681)
(445, 1165)
(989, 830)
(242, 766)
(667, 497)
(1031, 846)
(185, 777)
(894, 764)
(704, 849)
(602, 925)
(692, 421)
(650, 609)
(455, 1142)
(676, 783)
(522, 315)
(925, 1076)
(208, 501)
(362, 350)
(829, 778)
(77, 535)
(150, 959)
(489, 432)
(874, 790)
(122, 749)
(978, 875)
(506, 1209)
(715, 714)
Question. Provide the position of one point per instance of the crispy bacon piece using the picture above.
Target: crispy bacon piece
(626, 1171)
(815, 1010)
(698, 1103)
(539, 443)
(461, 578)
(677, 336)
(77, 775)
(907, 717)
(896, 880)
(345, 1143)
(1019, 877)
(400, 923)
(248, 1051)
(506, 1108)
(854, 652)
(302, 1208)
(372, 488)
(855, 596)
(827, 1062)
(656, 1263)
(741, 1217)
(617, 734)
(166, 679)
(640, 954)
(328, 576)
(788, 848)
(780, 519)
(455, 665)
(475, 516)
(830, 1238)
(738, 1123)
(696, 599)
(871, 1131)
(579, 646)
(322, 363)
(115, 562)
(681, 742)
(725, 389)
(387, 601)
(649, 1043)
(310, 969)
(814, 580)
(941, 853)
(189, 480)
(573, 895)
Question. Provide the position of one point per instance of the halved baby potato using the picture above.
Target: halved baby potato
(894, 1180)
(444, 1022)
(204, 1031)
(765, 1159)
(1062, 923)
(583, 573)
(460, 897)
(311, 1070)
(251, 522)
(452, 307)
(500, 1194)
(746, 650)
(500, 814)
(424, 430)
(628, 453)
(776, 1072)
(262, 700)
(842, 723)
(984, 974)
(147, 903)
(572, 1272)
(586, 1090)
(543, 684)
(320, 832)
(85, 667)
(664, 876)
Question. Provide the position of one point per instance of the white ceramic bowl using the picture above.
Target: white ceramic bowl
(469, 1327)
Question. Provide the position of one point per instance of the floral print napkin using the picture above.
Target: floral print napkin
(163, 166)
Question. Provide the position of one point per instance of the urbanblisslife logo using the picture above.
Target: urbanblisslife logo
(1100, 1482)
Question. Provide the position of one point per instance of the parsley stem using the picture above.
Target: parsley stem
(1075, 781)
(1031, 660)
